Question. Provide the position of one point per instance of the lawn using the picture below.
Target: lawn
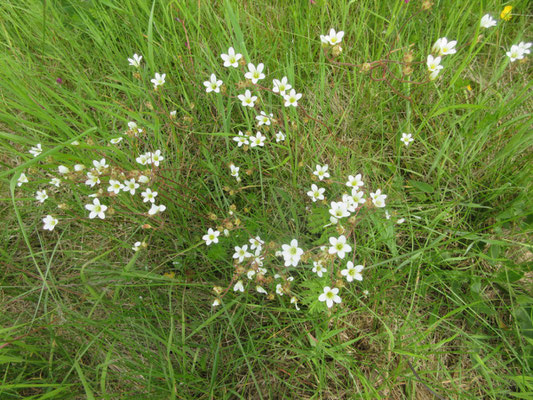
(179, 223)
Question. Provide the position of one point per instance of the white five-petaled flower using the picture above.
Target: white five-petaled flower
(100, 166)
(49, 223)
(351, 205)
(255, 73)
(291, 99)
(257, 140)
(130, 186)
(135, 61)
(231, 59)
(261, 290)
(407, 138)
(316, 193)
(116, 140)
(63, 170)
(96, 209)
(144, 179)
(36, 150)
(352, 272)
(239, 287)
(330, 296)
(136, 246)
(213, 84)
(339, 209)
(378, 198)
(292, 253)
(159, 80)
(443, 47)
(515, 53)
(281, 86)
(241, 253)
(487, 21)
(242, 139)
(355, 181)
(41, 195)
(155, 158)
(339, 246)
(433, 63)
(115, 186)
(234, 170)
(55, 181)
(279, 289)
(318, 268)
(92, 179)
(142, 159)
(156, 209)
(247, 100)
(256, 243)
(321, 171)
(22, 179)
(358, 197)
(525, 47)
(333, 38)
(280, 137)
(264, 119)
(79, 167)
(149, 196)
(211, 236)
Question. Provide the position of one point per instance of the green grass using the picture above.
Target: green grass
(449, 308)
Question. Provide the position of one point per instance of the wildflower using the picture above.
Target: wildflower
(280, 137)
(433, 75)
(256, 243)
(211, 236)
(136, 246)
(250, 274)
(173, 113)
(241, 139)
(255, 73)
(260, 289)
(142, 159)
(378, 199)
(515, 53)
(257, 140)
(130, 186)
(22, 179)
(49, 223)
(75, 143)
(213, 85)
(99, 166)
(292, 253)
(231, 59)
(294, 301)
(487, 21)
(316, 193)
(92, 179)
(433, 63)
(135, 61)
(400, 221)
(525, 47)
(247, 99)
(387, 215)
(292, 98)
(234, 170)
(226, 232)
(407, 138)
(241, 253)
(339, 246)
(148, 196)
(63, 170)
(358, 197)
(55, 181)
(144, 179)
(322, 171)
(330, 296)
(339, 210)
(155, 158)
(239, 287)
(279, 289)
(355, 181)
(158, 80)
(352, 272)
(443, 47)
(281, 86)
(79, 167)
(351, 205)
(96, 209)
(116, 140)
(36, 150)
(264, 119)
(216, 302)
(41, 195)
(506, 13)
(333, 38)
(156, 209)
(318, 268)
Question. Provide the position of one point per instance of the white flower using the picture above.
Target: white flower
(63, 170)
(433, 75)
(256, 243)
(352, 272)
(79, 167)
(433, 63)
(339, 246)
(136, 246)
(387, 215)
(173, 113)
(487, 21)
(234, 170)
(55, 181)
(280, 137)
(378, 199)
(281, 86)
(36, 150)
(260, 290)
(241, 253)
(226, 232)
(92, 179)
(330, 296)
(41, 195)
(358, 197)
(257, 140)
(155, 158)
(339, 209)
(96, 209)
(148, 195)
(279, 289)
(142, 159)
(22, 179)
(144, 179)
(130, 186)
(239, 287)
(333, 38)
(292, 253)
(318, 268)
(211, 236)
(216, 302)
(250, 274)
(407, 138)
(292, 98)
(241, 139)
(400, 221)
(49, 223)
(156, 209)
(348, 200)
(231, 59)
(116, 140)
(316, 193)
(99, 166)
(355, 181)
(525, 47)
(213, 85)
(75, 143)
(255, 73)
(321, 171)
(264, 119)
(132, 126)
(443, 47)
(158, 80)
(247, 99)
(135, 61)
(294, 301)
(515, 53)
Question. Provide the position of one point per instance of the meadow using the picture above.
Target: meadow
(309, 199)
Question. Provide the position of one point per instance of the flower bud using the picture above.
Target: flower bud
(336, 51)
